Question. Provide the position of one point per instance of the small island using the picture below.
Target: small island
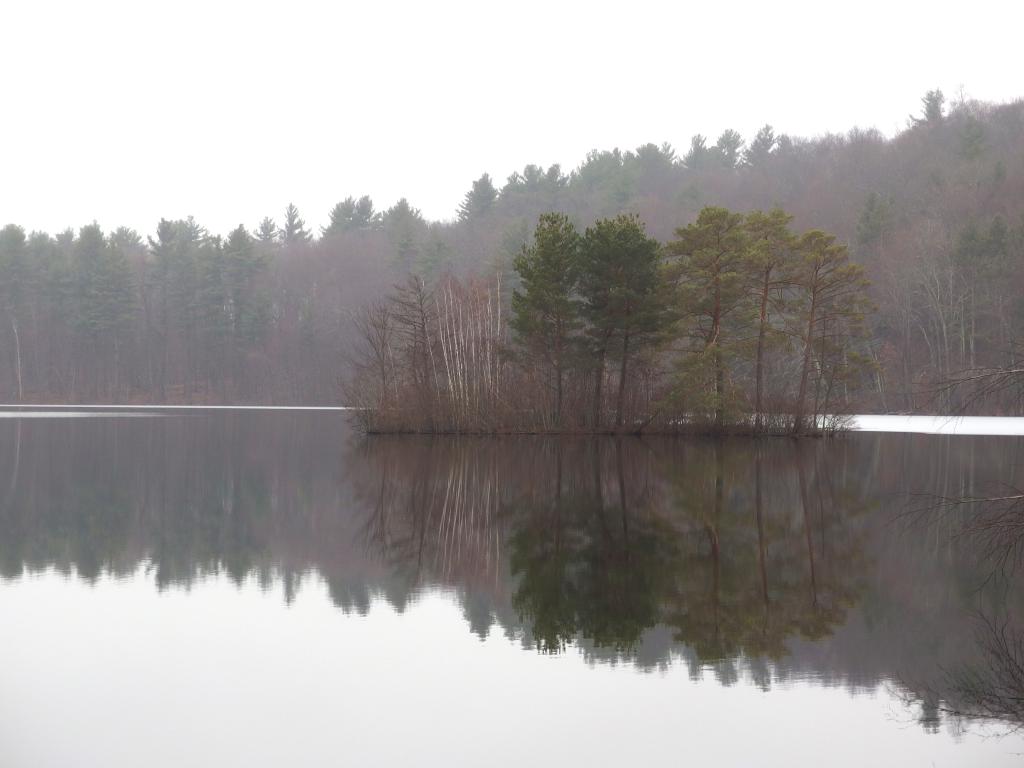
(737, 326)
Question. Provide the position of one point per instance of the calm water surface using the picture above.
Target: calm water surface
(267, 589)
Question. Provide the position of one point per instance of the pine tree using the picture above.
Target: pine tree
(267, 231)
(708, 267)
(728, 148)
(294, 231)
(619, 286)
(212, 316)
(770, 252)
(545, 310)
(931, 104)
(696, 158)
(405, 228)
(874, 223)
(14, 286)
(248, 309)
(478, 200)
(365, 216)
(350, 215)
(832, 302)
(105, 301)
(340, 218)
(761, 148)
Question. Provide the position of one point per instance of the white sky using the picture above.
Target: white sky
(124, 112)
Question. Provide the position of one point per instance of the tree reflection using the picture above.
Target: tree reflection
(773, 560)
(693, 548)
(593, 560)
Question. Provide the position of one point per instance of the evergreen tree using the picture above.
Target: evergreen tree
(14, 286)
(105, 301)
(478, 200)
(294, 231)
(340, 218)
(126, 239)
(830, 291)
(545, 310)
(728, 148)
(709, 270)
(365, 215)
(157, 280)
(351, 214)
(761, 148)
(696, 158)
(212, 317)
(248, 308)
(267, 231)
(770, 252)
(875, 221)
(405, 228)
(931, 108)
(621, 300)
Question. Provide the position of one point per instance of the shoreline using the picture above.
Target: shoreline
(934, 424)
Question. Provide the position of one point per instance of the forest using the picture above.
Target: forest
(931, 220)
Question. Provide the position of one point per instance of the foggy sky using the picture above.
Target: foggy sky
(124, 112)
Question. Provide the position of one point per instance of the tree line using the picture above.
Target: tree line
(935, 215)
(736, 324)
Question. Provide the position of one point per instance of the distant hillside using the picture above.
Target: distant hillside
(935, 214)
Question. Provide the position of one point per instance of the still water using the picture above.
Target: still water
(267, 589)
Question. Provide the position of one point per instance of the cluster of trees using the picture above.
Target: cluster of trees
(935, 215)
(104, 315)
(181, 316)
(612, 330)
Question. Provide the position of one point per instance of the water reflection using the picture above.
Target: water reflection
(770, 561)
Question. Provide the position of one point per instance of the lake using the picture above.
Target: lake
(268, 588)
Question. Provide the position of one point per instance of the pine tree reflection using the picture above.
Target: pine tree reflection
(695, 550)
(769, 560)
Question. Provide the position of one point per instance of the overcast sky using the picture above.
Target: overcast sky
(126, 112)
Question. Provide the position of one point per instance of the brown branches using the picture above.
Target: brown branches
(431, 360)
(994, 524)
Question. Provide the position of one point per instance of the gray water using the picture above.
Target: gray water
(250, 589)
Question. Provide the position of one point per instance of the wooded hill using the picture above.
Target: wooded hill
(935, 215)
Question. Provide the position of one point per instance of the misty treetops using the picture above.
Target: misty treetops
(934, 215)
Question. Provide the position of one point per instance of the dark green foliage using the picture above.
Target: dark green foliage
(728, 148)
(267, 231)
(874, 224)
(479, 200)
(405, 228)
(711, 280)
(545, 309)
(831, 305)
(15, 268)
(761, 148)
(352, 215)
(103, 289)
(622, 300)
(931, 108)
(294, 231)
(697, 156)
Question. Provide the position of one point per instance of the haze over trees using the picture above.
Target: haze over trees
(934, 216)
